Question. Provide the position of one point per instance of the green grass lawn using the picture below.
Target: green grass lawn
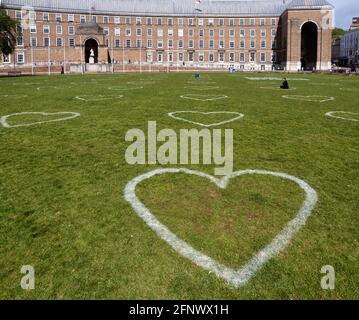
(63, 211)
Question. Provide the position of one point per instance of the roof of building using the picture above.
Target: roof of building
(172, 7)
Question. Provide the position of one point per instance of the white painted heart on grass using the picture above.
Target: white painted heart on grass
(309, 98)
(69, 115)
(333, 114)
(203, 88)
(236, 116)
(203, 97)
(239, 277)
(89, 98)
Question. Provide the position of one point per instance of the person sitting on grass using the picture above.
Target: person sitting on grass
(285, 84)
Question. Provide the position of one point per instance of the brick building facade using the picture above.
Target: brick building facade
(164, 34)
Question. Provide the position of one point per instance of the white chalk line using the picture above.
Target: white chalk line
(325, 84)
(201, 97)
(4, 123)
(97, 98)
(331, 114)
(19, 96)
(274, 78)
(204, 88)
(234, 277)
(314, 98)
(278, 89)
(124, 88)
(349, 89)
(237, 116)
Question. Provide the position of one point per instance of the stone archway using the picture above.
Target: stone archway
(309, 46)
(91, 44)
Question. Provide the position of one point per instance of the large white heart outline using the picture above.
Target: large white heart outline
(308, 98)
(331, 114)
(239, 116)
(239, 277)
(4, 123)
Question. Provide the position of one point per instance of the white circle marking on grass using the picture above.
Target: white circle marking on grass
(124, 88)
(100, 97)
(310, 98)
(4, 123)
(202, 97)
(332, 115)
(237, 116)
(235, 277)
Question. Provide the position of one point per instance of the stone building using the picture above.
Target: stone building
(146, 35)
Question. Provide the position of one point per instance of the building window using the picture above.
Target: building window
(59, 42)
(149, 43)
(252, 57)
(160, 44)
(149, 21)
(252, 32)
(242, 44)
(58, 17)
(6, 58)
(72, 43)
(211, 57)
(242, 22)
(211, 33)
(128, 43)
(46, 42)
(138, 21)
(221, 22)
(159, 21)
(180, 56)
(211, 22)
(262, 21)
(20, 57)
(19, 41)
(106, 19)
(190, 22)
(211, 44)
(221, 32)
(263, 57)
(201, 44)
(149, 32)
(180, 32)
(241, 57)
(190, 44)
(263, 44)
(71, 30)
(253, 44)
(190, 33)
(117, 20)
(46, 29)
(180, 43)
(128, 20)
(94, 19)
(221, 44)
(263, 33)
(170, 32)
(70, 18)
(190, 57)
(59, 29)
(82, 19)
(200, 22)
(128, 32)
(33, 42)
(201, 57)
(117, 32)
(274, 21)
(232, 44)
(170, 43)
(252, 21)
(106, 31)
(159, 32)
(18, 15)
(274, 32)
(45, 16)
(201, 32)
(117, 43)
(138, 32)
(138, 43)
(242, 33)
(160, 57)
(231, 57)
(180, 21)
(32, 28)
(170, 21)
(221, 57)
(231, 22)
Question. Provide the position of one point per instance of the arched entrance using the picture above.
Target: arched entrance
(309, 46)
(91, 44)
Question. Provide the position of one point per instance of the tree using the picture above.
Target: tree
(338, 33)
(8, 32)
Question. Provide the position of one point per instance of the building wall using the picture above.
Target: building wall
(259, 48)
(349, 46)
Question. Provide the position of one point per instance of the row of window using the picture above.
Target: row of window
(232, 57)
(160, 33)
(160, 44)
(150, 21)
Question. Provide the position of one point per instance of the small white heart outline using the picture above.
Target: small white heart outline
(330, 114)
(239, 277)
(307, 98)
(218, 97)
(239, 116)
(3, 120)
